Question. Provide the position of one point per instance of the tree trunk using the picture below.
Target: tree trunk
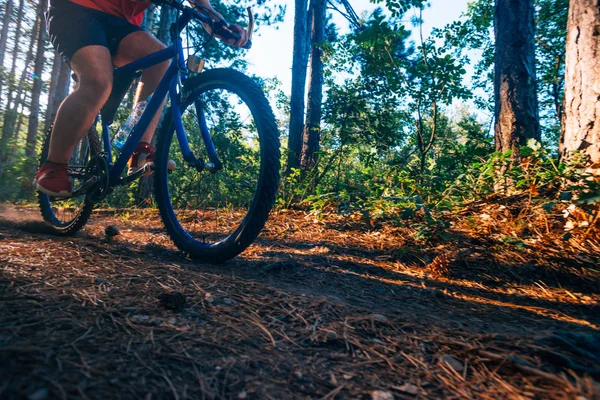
(148, 22)
(52, 89)
(312, 128)
(299, 65)
(582, 82)
(516, 105)
(34, 109)
(8, 10)
(63, 86)
(15, 54)
(167, 17)
(21, 115)
(10, 114)
(58, 90)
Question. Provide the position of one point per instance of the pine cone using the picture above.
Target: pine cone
(173, 301)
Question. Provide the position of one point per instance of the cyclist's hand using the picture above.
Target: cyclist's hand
(243, 36)
(206, 7)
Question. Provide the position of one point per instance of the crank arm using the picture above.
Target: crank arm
(85, 186)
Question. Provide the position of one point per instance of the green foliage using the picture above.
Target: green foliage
(474, 34)
(399, 7)
(397, 141)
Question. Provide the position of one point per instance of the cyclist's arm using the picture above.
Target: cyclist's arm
(234, 27)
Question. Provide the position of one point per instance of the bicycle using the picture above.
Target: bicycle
(216, 202)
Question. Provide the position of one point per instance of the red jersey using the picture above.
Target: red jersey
(132, 11)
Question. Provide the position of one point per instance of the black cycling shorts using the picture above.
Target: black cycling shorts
(72, 27)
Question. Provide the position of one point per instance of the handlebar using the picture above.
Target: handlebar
(219, 27)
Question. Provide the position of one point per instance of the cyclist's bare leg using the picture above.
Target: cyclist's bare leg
(94, 70)
(133, 47)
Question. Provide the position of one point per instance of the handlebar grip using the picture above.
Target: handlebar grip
(248, 44)
(226, 33)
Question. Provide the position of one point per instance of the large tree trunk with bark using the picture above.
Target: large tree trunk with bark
(582, 82)
(8, 10)
(312, 128)
(299, 65)
(516, 105)
(34, 109)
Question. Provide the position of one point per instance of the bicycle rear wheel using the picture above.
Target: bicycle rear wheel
(214, 215)
(69, 215)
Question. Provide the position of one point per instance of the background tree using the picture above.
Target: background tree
(15, 51)
(36, 91)
(6, 19)
(299, 65)
(550, 40)
(516, 106)
(57, 90)
(312, 128)
(582, 86)
(16, 100)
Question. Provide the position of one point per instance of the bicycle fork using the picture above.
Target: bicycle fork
(214, 164)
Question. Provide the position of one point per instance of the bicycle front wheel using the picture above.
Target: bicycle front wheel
(213, 214)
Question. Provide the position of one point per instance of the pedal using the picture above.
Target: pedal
(136, 174)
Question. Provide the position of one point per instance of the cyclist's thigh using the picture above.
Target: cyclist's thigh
(135, 46)
(72, 27)
(117, 31)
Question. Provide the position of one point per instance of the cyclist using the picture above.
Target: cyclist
(94, 36)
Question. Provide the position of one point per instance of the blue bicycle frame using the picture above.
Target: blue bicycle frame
(168, 85)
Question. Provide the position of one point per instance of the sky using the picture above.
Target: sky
(271, 53)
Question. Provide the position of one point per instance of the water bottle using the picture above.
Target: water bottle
(125, 129)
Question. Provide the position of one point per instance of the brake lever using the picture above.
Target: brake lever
(248, 44)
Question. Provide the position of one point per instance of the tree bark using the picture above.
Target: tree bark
(58, 90)
(52, 88)
(11, 112)
(15, 54)
(8, 10)
(516, 104)
(582, 83)
(167, 17)
(63, 85)
(299, 66)
(34, 109)
(312, 128)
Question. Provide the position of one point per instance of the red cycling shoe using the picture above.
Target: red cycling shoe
(53, 180)
(144, 154)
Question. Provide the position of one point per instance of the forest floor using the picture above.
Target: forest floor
(497, 304)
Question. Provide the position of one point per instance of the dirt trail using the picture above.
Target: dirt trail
(317, 308)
